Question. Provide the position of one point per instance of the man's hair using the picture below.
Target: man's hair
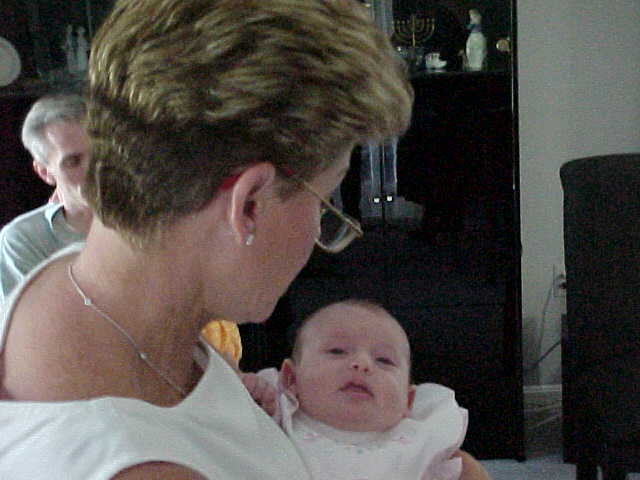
(183, 93)
(46, 111)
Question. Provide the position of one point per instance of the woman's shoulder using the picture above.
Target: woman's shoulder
(35, 350)
(45, 344)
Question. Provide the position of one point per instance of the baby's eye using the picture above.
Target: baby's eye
(385, 361)
(336, 351)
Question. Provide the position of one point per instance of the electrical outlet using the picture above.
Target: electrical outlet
(559, 281)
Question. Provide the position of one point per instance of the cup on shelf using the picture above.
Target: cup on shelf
(433, 61)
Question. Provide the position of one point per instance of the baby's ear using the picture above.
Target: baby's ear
(411, 396)
(288, 375)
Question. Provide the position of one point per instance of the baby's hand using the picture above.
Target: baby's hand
(261, 390)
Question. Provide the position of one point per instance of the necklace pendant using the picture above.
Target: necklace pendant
(87, 301)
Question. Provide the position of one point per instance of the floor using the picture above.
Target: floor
(546, 467)
(543, 437)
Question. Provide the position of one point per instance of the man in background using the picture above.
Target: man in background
(54, 135)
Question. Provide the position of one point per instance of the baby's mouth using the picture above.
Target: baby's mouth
(357, 389)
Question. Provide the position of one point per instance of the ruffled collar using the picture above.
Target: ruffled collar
(314, 427)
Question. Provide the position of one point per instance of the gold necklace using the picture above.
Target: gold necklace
(141, 354)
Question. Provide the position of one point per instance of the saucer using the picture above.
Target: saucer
(438, 64)
(10, 64)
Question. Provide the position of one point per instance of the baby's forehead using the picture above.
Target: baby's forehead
(352, 321)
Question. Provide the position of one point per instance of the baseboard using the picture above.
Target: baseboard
(543, 419)
(542, 393)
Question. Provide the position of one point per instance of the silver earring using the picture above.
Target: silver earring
(249, 240)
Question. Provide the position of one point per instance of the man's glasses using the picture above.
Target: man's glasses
(337, 229)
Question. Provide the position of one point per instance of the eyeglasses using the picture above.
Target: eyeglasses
(337, 229)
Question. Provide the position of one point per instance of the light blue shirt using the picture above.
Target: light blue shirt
(28, 240)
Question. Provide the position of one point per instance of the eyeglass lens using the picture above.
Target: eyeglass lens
(336, 234)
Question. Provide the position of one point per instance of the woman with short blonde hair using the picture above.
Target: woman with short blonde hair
(218, 129)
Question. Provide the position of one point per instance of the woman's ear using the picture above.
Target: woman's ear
(248, 197)
(43, 172)
(288, 375)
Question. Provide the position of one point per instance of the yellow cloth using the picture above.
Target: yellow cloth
(224, 336)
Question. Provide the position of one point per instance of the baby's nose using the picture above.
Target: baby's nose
(361, 363)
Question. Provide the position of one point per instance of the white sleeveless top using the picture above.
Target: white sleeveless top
(218, 431)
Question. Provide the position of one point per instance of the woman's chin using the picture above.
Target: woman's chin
(256, 315)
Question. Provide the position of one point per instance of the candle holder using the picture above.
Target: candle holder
(414, 30)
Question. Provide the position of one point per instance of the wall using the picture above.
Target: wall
(579, 95)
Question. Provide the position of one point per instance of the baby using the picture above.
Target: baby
(346, 400)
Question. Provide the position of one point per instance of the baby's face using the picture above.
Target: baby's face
(353, 371)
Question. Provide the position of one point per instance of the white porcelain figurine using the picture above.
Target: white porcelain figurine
(476, 43)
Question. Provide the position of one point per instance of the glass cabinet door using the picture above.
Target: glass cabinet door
(59, 30)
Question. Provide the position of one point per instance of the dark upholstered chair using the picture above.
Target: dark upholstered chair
(601, 345)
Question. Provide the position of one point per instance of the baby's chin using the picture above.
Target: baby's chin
(360, 423)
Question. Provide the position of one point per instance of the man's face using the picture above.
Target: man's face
(66, 163)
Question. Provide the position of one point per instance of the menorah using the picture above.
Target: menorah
(414, 30)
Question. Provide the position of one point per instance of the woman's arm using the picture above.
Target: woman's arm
(471, 468)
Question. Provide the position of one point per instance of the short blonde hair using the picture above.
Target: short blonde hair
(182, 93)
